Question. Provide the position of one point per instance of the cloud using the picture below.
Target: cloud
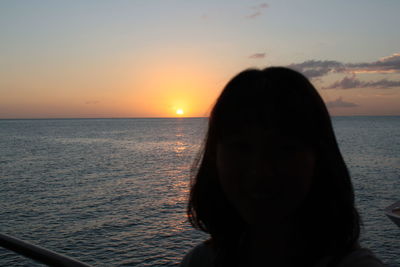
(92, 102)
(388, 64)
(259, 10)
(254, 15)
(257, 55)
(319, 68)
(346, 83)
(352, 82)
(339, 103)
(260, 6)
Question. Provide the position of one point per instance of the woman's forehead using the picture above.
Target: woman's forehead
(257, 134)
(255, 123)
(284, 130)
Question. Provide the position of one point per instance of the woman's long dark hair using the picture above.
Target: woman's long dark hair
(284, 99)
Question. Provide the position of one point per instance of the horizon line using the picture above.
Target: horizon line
(195, 117)
(91, 118)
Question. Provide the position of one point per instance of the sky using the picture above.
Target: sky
(148, 58)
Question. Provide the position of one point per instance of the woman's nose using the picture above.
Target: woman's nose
(261, 166)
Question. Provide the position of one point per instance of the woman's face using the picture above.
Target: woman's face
(264, 174)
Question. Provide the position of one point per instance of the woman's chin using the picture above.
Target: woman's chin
(265, 212)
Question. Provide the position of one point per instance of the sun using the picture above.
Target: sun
(179, 111)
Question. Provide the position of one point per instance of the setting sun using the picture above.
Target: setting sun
(179, 112)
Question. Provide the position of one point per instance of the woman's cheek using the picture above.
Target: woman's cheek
(230, 170)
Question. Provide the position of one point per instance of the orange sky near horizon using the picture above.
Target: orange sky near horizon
(101, 59)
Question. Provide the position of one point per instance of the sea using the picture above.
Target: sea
(113, 192)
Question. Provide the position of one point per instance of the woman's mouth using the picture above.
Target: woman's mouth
(262, 196)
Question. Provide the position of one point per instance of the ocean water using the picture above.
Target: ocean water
(113, 192)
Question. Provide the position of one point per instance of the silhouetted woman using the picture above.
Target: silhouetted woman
(271, 187)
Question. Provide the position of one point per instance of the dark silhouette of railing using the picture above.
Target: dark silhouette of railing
(38, 253)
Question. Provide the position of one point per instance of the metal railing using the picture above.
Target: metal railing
(38, 253)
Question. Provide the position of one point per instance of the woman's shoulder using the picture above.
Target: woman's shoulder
(361, 257)
(200, 255)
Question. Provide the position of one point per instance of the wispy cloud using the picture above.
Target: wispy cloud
(340, 103)
(260, 6)
(318, 68)
(254, 15)
(388, 64)
(259, 10)
(92, 102)
(350, 82)
(257, 55)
